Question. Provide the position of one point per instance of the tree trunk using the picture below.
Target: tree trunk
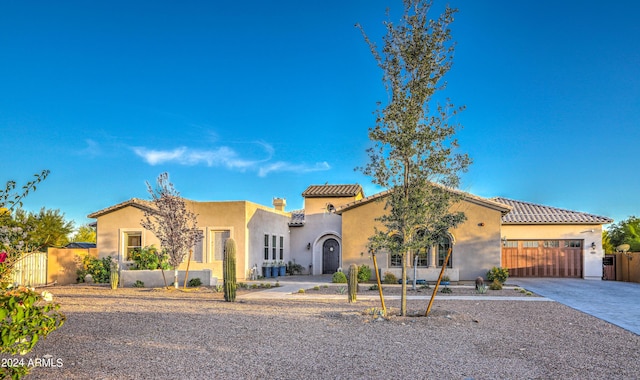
(175, 278)
(403, 301)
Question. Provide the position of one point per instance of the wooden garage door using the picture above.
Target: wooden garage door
(543, 258)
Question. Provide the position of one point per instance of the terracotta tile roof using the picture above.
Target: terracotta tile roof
(531, 213)
(297, 218)
(503, 208)
(135, 202)
(323, 191)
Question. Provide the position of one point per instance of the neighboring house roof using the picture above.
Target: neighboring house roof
(326, 191)
(134, 202)
(297, 218)
(531, 213)
(76, 244)
(466, 196)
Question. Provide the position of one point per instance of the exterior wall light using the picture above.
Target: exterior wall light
(308, 245)
(593, 245)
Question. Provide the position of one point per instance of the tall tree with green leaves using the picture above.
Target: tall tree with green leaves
(414, 153)
(625, 232)
(171, 222)
(46, 228)
(84, 234)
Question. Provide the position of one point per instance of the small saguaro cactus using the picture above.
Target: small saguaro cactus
(114, 277)
(229, 270)
(353, 282)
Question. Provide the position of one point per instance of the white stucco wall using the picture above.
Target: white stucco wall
(316, 230)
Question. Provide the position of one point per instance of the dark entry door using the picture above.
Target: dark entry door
(330, 256)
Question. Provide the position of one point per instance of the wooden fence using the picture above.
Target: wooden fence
(627, 266)
(57, 265)
(31, 269)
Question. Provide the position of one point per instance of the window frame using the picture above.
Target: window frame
(441, 252)
(212, 242)
(124, 242)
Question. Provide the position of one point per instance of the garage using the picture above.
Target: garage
(543, 258)
(545, 241)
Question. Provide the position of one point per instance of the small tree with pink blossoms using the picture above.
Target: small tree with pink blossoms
(171, 222)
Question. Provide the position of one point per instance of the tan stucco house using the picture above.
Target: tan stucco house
(475, 244)
(261, 233)
(332, 231)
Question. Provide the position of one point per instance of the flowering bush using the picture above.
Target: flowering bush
(25, 317)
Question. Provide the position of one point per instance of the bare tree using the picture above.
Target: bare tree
(171, 222)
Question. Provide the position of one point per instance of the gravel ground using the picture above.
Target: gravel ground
(158, 334)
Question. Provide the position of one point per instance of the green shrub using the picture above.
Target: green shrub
(482, 289)
(99, 269)
(339, 278)
(195, 282)
(389, 278)
(373, 287)
(301, 291)
(27, 317)
(498, 273)
(316, 288)
(294, 269)
(446, 289)
(138, 284)
(364, 273)
(148, 258)
(496, 285)
(341, 290)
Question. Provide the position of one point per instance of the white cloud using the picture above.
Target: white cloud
(92, 149)
(226, 157)
(289, 167)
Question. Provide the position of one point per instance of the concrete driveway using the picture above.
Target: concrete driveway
(613, 301)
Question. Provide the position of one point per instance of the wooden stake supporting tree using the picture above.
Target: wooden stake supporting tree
(375, 268)
(435, 290)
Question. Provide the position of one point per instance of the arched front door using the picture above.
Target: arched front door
(330, 256)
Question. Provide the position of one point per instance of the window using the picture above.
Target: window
(511, 244)
(422, 254)
(281, 247)
(530, 244)
(266, 247)
(132, 241)
(218, 239)
(573, 243)
(396, 260)
(551, 244)
(423, 258)
(395, 257)
(273, 246)
(198, 249)
(443, 248)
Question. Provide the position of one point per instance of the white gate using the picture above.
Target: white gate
(31, 270)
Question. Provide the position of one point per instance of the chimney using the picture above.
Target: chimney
(279, 203)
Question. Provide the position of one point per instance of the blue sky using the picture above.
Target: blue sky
(254, 100)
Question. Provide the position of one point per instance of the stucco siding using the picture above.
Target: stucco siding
(476, 242)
